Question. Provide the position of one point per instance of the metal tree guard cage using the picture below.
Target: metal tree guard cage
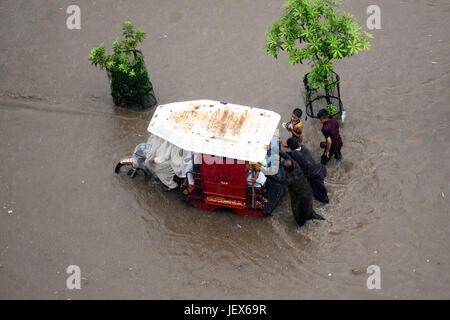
(319, 98)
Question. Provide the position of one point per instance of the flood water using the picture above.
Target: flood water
(61, 136)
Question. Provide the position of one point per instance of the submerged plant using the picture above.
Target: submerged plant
(130, 83)
(315, 31)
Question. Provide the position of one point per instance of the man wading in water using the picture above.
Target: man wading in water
(300, 191)
(314, 172)
(332, 133)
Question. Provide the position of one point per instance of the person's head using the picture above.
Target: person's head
(256, 166)
(322, 115)
(292, 143)
(288, 165)
(296, 115)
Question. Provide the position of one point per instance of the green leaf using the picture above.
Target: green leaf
(368, 35)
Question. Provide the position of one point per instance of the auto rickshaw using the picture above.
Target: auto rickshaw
(223, 142)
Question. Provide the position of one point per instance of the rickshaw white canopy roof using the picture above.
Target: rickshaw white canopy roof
(216, 128)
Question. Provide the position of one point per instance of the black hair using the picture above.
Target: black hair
(292, 143)
(322, 114)
(297, 112)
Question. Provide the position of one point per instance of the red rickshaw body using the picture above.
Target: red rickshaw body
(222, 183)
(219, 131)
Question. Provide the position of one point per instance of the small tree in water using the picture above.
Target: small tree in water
(316, 32)
(130, 83)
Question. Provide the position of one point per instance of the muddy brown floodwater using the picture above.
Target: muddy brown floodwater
(61, 203)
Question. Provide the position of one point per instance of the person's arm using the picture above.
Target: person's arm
(327, 149)
(328, 141)
(297, 132)
(255, 177)
(282, 145)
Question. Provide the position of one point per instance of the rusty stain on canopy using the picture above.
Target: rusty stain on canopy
(216, 128)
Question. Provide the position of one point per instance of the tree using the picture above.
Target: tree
(316, 32)
(130, 83)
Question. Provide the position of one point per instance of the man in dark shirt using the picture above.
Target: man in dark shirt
(299, 189)
(314, 172)
(332, 133)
